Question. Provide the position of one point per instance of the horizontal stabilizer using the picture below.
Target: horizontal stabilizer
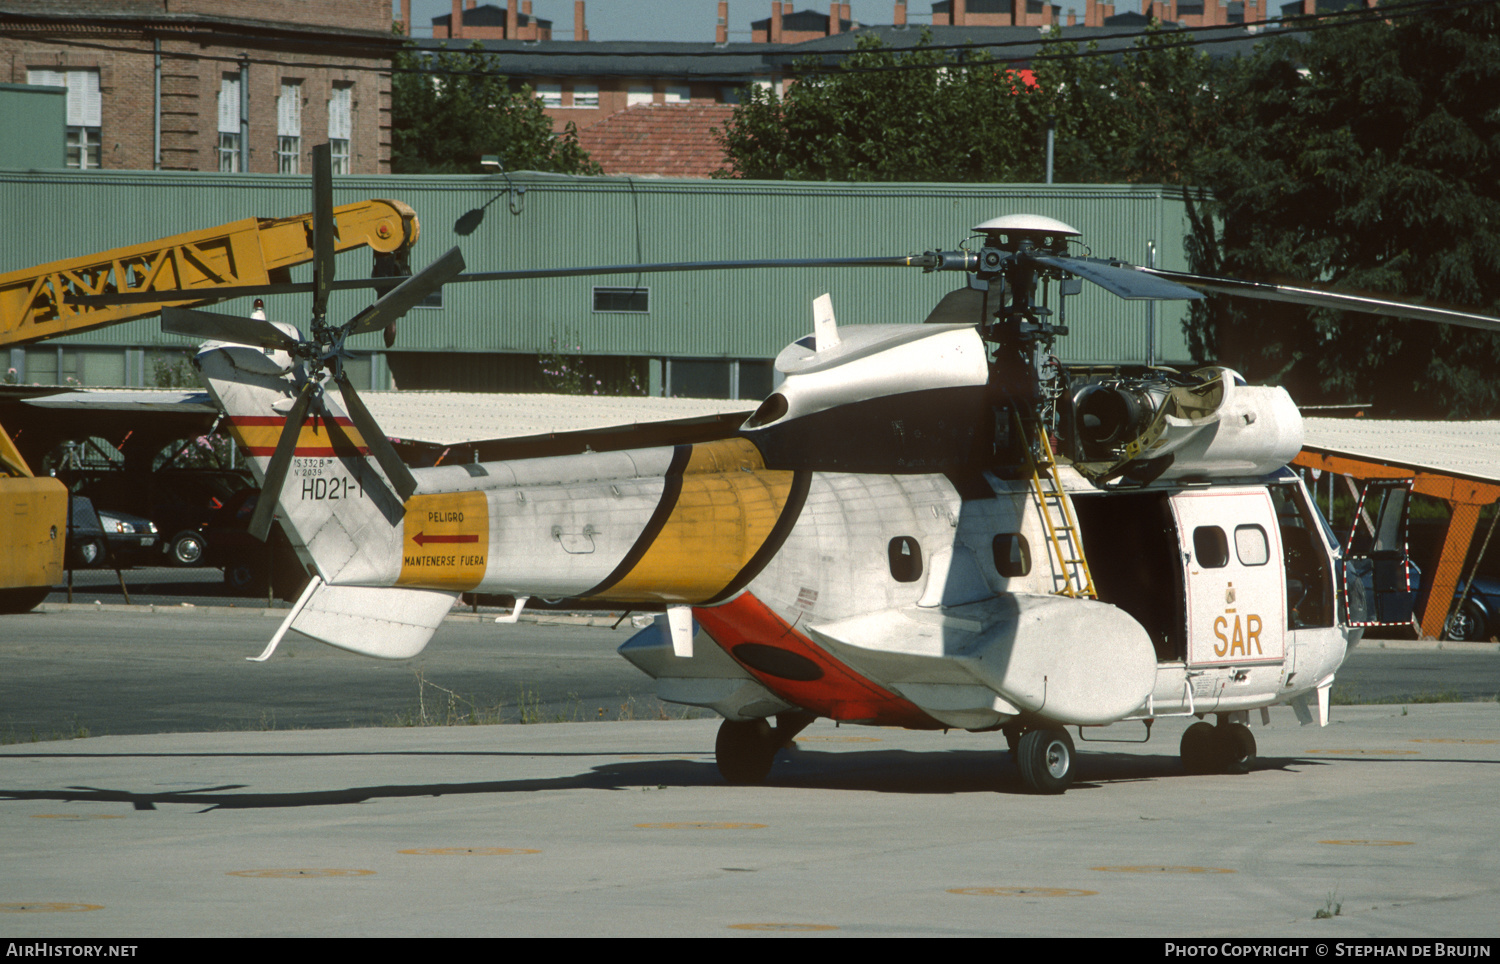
(345, 617)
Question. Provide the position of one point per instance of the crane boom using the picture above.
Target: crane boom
(37, 303)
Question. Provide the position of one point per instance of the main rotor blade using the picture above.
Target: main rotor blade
(303, 287)
(281, 462)
(375, 440)
(1328, 299)
(1124, 282)
(407, 295)
(323, 227)
(902, 261)
(213, 326)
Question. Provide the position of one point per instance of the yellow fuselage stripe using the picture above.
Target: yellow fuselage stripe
(728, 505)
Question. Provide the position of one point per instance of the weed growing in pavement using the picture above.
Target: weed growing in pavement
(72, 730)
(1332, 907)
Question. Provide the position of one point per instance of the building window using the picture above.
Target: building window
(549, 94)
(84, 112)
(341, 126)
(639, 94)
(633, 300)
(289, 128)
(585, 95)
(229, 123)
(678, 95)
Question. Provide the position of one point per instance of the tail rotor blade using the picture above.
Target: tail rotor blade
(213, 326)
(379, 446)
(407, 295)
(281, 463)
(323, 227)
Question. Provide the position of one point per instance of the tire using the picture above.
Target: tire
(87, 554)
(1236, 747)
(1199, 748)
(187, 548)
(1466, 625)
(744, 751)
(243, 579)
(16, 601)
(1046, 758)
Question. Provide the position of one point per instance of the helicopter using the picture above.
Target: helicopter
(929, 525)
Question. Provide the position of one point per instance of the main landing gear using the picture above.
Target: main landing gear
(1044, 756)
(1226, 748)
(745, 749)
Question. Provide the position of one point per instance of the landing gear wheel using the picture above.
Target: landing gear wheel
(1235, 746)
(744, 751)
(1199, 748)
(1045, 758)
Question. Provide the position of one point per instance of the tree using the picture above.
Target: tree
(451, 108)
(881, 116)
(926, 115)
(1367, 158)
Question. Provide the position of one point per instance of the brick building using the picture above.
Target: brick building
(470, 21)
(210, 85)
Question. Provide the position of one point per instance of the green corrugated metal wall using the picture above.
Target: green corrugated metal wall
(576, 221)
(41, 114)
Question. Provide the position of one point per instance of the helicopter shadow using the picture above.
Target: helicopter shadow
(875, 771)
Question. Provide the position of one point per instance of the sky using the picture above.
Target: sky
(677, 20)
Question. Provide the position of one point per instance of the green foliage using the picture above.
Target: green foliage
(452, 108)
(173, 370)
(1367, 158)
(866, 121)
(925, 116)
(566, 370)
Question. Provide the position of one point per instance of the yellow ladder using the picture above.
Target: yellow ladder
(1057, 515)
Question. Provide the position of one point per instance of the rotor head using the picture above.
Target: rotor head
(1013, 232)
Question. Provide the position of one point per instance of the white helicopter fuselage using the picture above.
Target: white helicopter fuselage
(862, 597)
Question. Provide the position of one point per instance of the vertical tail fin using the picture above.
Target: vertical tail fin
(336, 505)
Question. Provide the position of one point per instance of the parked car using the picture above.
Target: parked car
(129, 539)
(181, 502)
(86, 548)
(249, 564)
(1478, 618)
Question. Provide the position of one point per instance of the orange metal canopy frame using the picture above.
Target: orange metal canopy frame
(1464, 496)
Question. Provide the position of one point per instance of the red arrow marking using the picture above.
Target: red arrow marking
(421, 539)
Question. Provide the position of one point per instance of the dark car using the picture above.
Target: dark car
(1478, 617)
(249, 564)
(129, 539)
(86, 547)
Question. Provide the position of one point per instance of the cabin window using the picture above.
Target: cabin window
(1012, 554)
(906, 559)
(1211, 547)
(1251, 546)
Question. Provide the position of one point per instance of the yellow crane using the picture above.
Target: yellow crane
(37, 303)
(34, 521)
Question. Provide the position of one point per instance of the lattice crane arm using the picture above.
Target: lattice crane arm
(37, 303)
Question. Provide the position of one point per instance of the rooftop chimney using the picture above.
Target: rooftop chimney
(580, 27)
(456, 21)
(721, 32)
(775, 21)
(900, 17)
(512, 21)
(834, 10)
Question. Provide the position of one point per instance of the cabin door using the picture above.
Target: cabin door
(1236, 591)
